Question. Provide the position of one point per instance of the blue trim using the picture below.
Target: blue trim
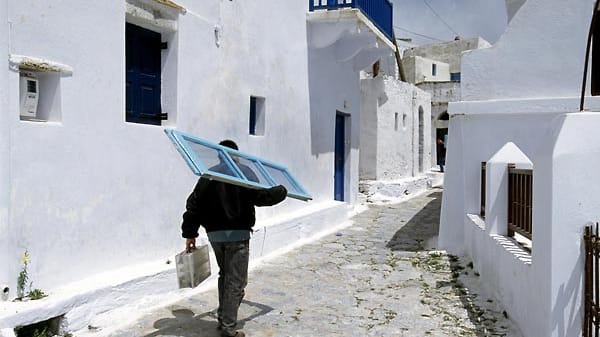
(182, 143)
(380, 12)
(183, 153)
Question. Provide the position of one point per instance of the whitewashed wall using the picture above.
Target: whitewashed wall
(419, 69)
(448, 52)
(389, 147)
(5, 244)
(536, 111)
(90, 192)
(334, 87)
(559, 32)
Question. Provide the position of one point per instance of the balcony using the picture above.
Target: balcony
(379, 12)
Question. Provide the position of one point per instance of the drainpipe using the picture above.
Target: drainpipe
(587, 54)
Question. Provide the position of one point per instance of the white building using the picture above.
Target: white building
(520, 105)
(394, 130)
(435, 68)
(90, 185)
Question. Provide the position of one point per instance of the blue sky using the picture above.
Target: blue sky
(417, 19)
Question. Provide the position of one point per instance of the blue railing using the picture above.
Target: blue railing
(380, 12)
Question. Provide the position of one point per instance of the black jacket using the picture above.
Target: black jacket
(220, 206)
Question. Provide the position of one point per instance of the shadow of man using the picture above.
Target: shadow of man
(185, 323)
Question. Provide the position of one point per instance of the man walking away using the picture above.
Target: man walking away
(226, 212)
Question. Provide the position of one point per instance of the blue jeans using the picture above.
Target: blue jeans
(232, 258)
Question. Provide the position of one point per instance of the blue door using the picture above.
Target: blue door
(142, 58)
(340, 153)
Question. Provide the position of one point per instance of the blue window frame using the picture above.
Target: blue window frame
(221, 163)
(455, 77)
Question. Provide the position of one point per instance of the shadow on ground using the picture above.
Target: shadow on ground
(186, 323)
(421, 232)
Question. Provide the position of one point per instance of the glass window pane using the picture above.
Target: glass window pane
(250, 170)
(212, 159)
(281, 177)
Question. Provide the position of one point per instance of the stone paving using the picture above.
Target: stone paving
(382, 276)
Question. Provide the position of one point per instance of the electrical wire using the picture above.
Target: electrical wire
(418, 34)
(439, 17)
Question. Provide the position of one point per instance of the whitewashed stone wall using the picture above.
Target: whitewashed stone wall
(389, 147)
(526, 110)
(447, 52)
(419, 69)
(4, 145)
(88, 193)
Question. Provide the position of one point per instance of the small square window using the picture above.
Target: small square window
(257, 116)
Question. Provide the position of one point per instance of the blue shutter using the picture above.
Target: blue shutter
(143, 75)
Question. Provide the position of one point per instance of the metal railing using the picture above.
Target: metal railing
(591, 316)
(520, 206)
(380, 12)
(482, 196)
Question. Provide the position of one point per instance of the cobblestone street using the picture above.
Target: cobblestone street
(381, 276)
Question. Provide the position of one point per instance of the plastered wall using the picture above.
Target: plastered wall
(90, 192)
(390, 129)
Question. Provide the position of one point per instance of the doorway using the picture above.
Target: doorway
(339, 156)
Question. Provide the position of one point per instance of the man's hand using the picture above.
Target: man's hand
(190, 244)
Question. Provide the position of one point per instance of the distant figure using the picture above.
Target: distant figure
(441, 151)
(226, 212)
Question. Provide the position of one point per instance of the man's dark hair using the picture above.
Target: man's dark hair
(229, 143)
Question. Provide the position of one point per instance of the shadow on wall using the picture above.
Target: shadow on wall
(567, 324)
(185, 323)
(318, 92)
(421, 231)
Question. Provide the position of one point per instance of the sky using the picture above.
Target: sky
(431, 21)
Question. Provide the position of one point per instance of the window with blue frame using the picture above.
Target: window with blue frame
(455, 77)
(221, 163)
(257, 116)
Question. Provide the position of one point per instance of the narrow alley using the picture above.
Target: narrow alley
(381, 276)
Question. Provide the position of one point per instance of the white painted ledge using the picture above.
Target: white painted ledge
(506, 243)
(541, 105)
(22, 62)
(514, 248)
(477, 220)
